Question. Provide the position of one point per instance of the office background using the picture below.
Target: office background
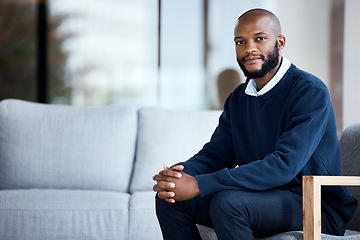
(164, 53)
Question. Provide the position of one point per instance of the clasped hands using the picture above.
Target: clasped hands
(172, 184)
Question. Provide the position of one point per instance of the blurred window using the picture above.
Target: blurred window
(18, 49)
(104, 52)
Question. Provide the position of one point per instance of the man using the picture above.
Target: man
(275, 128)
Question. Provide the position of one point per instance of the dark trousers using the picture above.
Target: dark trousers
(236, 215)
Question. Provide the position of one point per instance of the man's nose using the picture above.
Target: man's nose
(250, 47)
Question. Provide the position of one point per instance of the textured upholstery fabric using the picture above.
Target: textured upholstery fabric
(167, 137)
(143, 221)
(50, 146)
(209, 234)
(297, 235)
(350, 153)
(63, 214)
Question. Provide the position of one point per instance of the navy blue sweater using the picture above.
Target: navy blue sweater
(272, 140)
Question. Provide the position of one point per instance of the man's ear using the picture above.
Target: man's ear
(281, 41)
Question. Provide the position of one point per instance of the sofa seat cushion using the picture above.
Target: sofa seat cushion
(54, 146)
(298, 235)
(143, 221)
(63, 214)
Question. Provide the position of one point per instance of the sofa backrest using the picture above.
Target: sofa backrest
(66, 147)
(166, 137)
(350, 154)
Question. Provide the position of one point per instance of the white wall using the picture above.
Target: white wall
(351, 84)
(306, 26)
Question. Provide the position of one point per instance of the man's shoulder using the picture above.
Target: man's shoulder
(305, 80)
(240, 89)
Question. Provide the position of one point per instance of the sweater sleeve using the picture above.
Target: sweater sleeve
(308, 118)
(218, 153)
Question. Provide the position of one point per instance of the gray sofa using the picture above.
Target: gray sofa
(70, 172)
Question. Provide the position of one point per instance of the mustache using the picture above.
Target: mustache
(251, 55)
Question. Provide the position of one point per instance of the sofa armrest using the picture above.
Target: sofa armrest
(312, 201)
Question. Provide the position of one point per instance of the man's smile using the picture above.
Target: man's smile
(252, 59)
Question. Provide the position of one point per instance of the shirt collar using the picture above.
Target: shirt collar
(251, 88)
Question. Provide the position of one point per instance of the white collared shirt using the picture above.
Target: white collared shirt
(251, 88)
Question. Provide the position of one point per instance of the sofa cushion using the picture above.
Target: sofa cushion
(298, 235)
(63, 214)
(166, 137)
(350, 154)
(53, 146)
(143, 222)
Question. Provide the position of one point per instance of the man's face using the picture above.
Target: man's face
(269, 62)
(257, 46)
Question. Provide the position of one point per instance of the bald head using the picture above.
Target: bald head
(262, 13)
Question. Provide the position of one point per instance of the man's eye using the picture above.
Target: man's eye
(260, 38)
(239, 42)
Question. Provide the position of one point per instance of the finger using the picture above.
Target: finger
(178, 167)
(166, 185)
(161, 186)
(170, 173)
(162, 172)
(166, 194)
(170, 200)
(158, 177)
(164, 178)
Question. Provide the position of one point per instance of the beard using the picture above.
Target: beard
(270, 63)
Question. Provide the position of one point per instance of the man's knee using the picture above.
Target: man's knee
(160, 205)
(229, 215)
(227, 203)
